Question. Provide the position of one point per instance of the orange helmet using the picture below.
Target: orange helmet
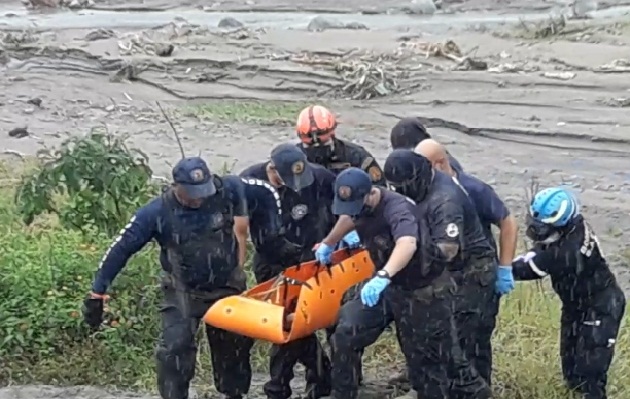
(315, 124)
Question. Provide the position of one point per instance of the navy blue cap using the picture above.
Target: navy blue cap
(194, 176)
(291, 164)
(404, 165)
(351, 187)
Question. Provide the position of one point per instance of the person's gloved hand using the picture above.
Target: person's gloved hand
(505, 280)
(371, 292)
(525, 257)
(351, 240)
(93, 310)
(323, 253)
(290, 250)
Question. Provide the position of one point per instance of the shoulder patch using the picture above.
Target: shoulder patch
(375, 173)
(367, 162)
(452, 230)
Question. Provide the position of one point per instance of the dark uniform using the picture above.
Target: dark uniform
(340, 155)
(491, 211)
(593, 304)
(199, 257)
(409, 132)
(455, 239)
(264, 208)
(306, 217)
(416, 296)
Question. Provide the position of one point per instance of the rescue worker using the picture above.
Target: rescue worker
(409, 132)
(316, 128)
(403, 290)
(567, 249)
(306, 196)
(457, 241)
(491, 211)
(194, 222)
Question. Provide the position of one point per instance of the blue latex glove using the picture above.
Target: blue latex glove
(351, 240)
(505, 280)
(371, 292)
(323, 253)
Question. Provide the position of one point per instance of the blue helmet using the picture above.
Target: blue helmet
(554, 206)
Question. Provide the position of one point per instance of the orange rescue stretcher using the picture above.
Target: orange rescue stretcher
(301, 300)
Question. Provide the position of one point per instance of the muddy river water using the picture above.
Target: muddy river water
(86, 19)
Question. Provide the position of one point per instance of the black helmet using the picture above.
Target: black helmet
(408, 133)
(409, 173)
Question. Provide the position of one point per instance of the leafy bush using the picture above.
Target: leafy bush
(46, 270)
(93, 183)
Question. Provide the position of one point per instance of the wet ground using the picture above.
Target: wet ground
(555, 108)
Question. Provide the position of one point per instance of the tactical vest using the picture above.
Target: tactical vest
(201, 256)
(415, 275)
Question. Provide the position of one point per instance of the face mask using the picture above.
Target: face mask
(322, 153)
(540, 232)
(411, 189)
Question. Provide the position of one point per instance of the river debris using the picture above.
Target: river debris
(552, 26)
(156, 41)
(16, 39)
(72, 4)
(617, 66)
(448, 50)
(364, 81)
(615, 102)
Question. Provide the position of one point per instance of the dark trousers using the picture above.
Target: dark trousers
(176, 351)
(424, 348)
(476, 308)
(587, 343)
(282, 358)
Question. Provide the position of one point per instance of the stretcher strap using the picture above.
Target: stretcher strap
(280, 280)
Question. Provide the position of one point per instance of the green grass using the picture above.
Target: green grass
(45, 271)
(267, 113)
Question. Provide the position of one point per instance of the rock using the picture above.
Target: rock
(320, 24)
(77, 4)
(230, 22)
(35, 101)
(582, 8)
(19, 132)
(99, 34)
(44, 3)
(164, 50)
(420, 7)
